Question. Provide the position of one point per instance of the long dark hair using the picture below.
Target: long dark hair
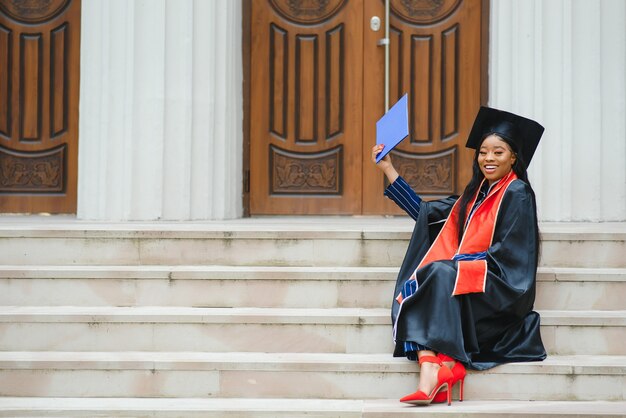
(519, 168)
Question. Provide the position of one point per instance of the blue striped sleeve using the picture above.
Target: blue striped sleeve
(470, 257)
(404, 196)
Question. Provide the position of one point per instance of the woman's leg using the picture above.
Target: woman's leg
(428, 373)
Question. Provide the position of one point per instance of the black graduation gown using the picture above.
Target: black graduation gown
(481, 330)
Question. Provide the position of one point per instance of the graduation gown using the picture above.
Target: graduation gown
(482, 330)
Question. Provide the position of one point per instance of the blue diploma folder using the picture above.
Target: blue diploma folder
(393, 127)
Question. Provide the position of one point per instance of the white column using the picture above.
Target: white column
(613, 115)
(563, 63)
(147, 87)
(161, 110)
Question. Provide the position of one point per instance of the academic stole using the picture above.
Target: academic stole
(471, 275)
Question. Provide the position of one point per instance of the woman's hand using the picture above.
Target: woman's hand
(384, 164)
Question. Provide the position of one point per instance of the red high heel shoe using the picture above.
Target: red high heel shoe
(444, 379)
(458, 372)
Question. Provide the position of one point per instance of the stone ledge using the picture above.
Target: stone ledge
(331, 362)
(194, 272)
(322, 316)
(225, 272)
(511, 409)
(243, 407)
(285, 227)
(177, 407)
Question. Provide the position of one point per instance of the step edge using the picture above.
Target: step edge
(310, 362)
(246, 315)
(223, 272)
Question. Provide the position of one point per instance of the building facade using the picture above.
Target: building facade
(164, 113)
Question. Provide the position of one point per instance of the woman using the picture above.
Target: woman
(466, 287)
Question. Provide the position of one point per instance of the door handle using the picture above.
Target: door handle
(375, 26)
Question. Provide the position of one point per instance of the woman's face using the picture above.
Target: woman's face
(495, 158)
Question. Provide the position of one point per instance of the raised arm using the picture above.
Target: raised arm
(385, 164)
(399, 190)
(404, 196)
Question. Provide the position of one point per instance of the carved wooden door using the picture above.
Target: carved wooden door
(435, 56)
(306, 107)
(39, 81)
(317, 90)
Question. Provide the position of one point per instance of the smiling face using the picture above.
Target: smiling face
(495, 158)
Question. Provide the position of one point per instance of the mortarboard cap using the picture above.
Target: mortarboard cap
(525, 133)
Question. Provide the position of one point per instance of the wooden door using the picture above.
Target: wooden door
(317, 90)
(306, 107)
(39, 80)
(435, 56)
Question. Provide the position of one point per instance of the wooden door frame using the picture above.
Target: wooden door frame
(246, 29)
(484, 53)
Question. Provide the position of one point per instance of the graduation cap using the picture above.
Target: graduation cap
(523, 132)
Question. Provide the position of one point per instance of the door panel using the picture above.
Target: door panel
(306, 107)
(39, 79)
(317, 90)
(435, 56)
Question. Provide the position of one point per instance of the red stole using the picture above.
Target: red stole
(471, 275)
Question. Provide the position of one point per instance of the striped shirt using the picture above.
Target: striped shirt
(404, 196)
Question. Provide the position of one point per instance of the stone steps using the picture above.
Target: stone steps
(276, 317)
(558, 288)
(296, 408)
(336, 330)
(283, 241)
(293, 375)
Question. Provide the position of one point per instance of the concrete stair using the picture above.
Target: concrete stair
(276, 317)
(298, 330)
(356, 242)
(294, 408)
(560, 288)
(293, 375)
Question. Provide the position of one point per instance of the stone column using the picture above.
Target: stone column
(563, 63)
(161, 110)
